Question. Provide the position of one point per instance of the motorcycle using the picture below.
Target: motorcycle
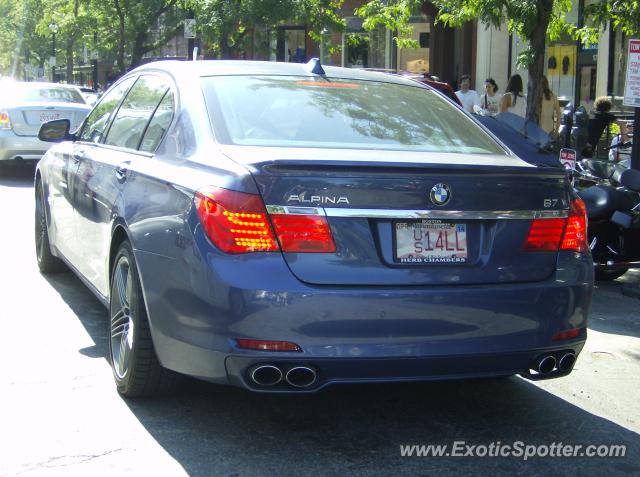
(614, 225)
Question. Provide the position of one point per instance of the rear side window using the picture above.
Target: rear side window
(96, 123)
(339, 113)
(137, 108)
(159, 124)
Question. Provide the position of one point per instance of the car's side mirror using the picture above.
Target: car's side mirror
(55, 131)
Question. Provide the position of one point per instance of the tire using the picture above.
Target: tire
(135, 366)
(47, 262)
(609, 275)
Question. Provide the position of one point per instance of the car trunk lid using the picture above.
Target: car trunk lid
(386, 222)
(27, 119)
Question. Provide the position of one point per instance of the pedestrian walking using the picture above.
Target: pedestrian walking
(513, 101)
(489, 100)
(468, 97)
(550, 111)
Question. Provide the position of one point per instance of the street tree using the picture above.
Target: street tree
(533, 21)
(142, 26)
(72, 18)
(22, 43)
(229, 26)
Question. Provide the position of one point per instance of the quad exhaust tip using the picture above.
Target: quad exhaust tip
(566, 361)
(272, 375)
(546, 364)
(301, 376)
(266, 375)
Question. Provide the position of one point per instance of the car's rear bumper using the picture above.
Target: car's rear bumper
(356, 334)
(14, 147)
(399, 369)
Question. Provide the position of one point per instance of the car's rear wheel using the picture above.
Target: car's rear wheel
(47, 262)
(136, 368)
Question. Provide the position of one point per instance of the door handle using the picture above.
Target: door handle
(121, 171)
(78, 155)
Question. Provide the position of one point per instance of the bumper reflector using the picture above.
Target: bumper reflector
(567, 335)
(266, 345)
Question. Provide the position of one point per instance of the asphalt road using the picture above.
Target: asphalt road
(60, 413)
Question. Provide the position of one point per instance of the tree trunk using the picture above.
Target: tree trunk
(224, 46)
(121, 37)
(139, 49)
(536, 68)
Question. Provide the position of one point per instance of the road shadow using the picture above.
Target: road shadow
(357, 430)
(16, 174)
(614, 312)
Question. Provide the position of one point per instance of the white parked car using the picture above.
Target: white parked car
(25, 106)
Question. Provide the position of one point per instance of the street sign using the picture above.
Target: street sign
(632, 84)
(52, 61)
(568, 158)
(190, 28)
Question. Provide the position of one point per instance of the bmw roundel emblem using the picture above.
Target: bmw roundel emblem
(440, 194)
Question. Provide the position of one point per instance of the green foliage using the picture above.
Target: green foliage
(624, 15)
(21, 42)
(393, 14)
(534, 21)
(228, 26)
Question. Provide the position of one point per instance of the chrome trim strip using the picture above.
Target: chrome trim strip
(294, 210)
(419, 214)
(447, 214)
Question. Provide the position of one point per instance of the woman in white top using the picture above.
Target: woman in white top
(513, 101)
(489, 100)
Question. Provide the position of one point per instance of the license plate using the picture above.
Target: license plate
(430, 241)
(44, 117)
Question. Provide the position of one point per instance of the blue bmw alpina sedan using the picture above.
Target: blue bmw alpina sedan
(284, 227)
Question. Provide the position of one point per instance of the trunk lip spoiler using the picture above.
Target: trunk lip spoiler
(419, 214)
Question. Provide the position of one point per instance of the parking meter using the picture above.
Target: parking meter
(579, 130)
(566, 123)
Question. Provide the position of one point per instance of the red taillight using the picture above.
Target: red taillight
(303, 233)
(551, 235)
(265, 345)
(567, 335)
(5, 122)
(544, 235)
(575, 236)
(236, 222)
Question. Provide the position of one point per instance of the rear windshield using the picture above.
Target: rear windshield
(334, 113)
(58, 94)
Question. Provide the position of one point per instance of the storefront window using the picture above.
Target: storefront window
(561, 70)
(288, 44)
(365, 49)
(416, 60)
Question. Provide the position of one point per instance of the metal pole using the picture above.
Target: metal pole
(190, 41)
(53, 54)
(94, 63)
(635, 149)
